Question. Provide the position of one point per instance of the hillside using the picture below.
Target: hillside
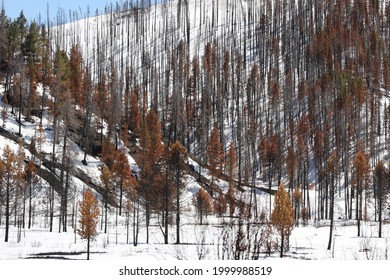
(186, 118)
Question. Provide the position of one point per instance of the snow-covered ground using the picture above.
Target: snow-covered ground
(309, 243)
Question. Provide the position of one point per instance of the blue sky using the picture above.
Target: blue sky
(32, 8)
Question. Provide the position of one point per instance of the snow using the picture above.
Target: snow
(307, 242)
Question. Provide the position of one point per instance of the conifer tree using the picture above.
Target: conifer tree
(108, 154)
(31, 46)
(122, 172)
(203, 205)
(361, 172)
(4, 22)
(282, 217)
(291, 166)
(31, 50)
(150, 162)
(125, 135)
(268, 151)
(215, 154)
(231, 163)
(46, 67)
(297, 199)
(9, 170)
(89, 211)
(76, 76)
(135, 124)
(220, 205)
(155, 149)
(176, 160)
(61, 109)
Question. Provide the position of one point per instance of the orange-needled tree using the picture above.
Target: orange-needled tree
(215, 154)
(89, 211)
(282, 217)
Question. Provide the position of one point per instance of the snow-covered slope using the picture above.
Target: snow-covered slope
(141, 40)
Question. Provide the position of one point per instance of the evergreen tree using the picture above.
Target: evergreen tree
(46, 67)
(268, 150)
(9, 171)
(151, 160)
(291, 167)
(76, 76)
(215, 154)
(122, 172)
(177, 162)
(89, 211)
(297, 199)
(203, 205)
(231, 163)
(282, 217)
(31, 49)
(32, 45)
(135, 125)
(4, 23)
(108, 154)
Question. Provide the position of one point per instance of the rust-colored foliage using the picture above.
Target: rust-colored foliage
(76, 75)
(220, 205)
(151, 140)
(361, 166)
(215, 153)
(231, 162)
(203, 204)
(135, 115)
(282, 217)
(268, 149)
(108, 154)
(89, 211)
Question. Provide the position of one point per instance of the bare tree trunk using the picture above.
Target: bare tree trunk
(166, 212)
(136, 221)
(282, 245)
(178, 213)
(88, 247)
(30, 204)
(7, 210)
(64, 197)
(331, 213)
